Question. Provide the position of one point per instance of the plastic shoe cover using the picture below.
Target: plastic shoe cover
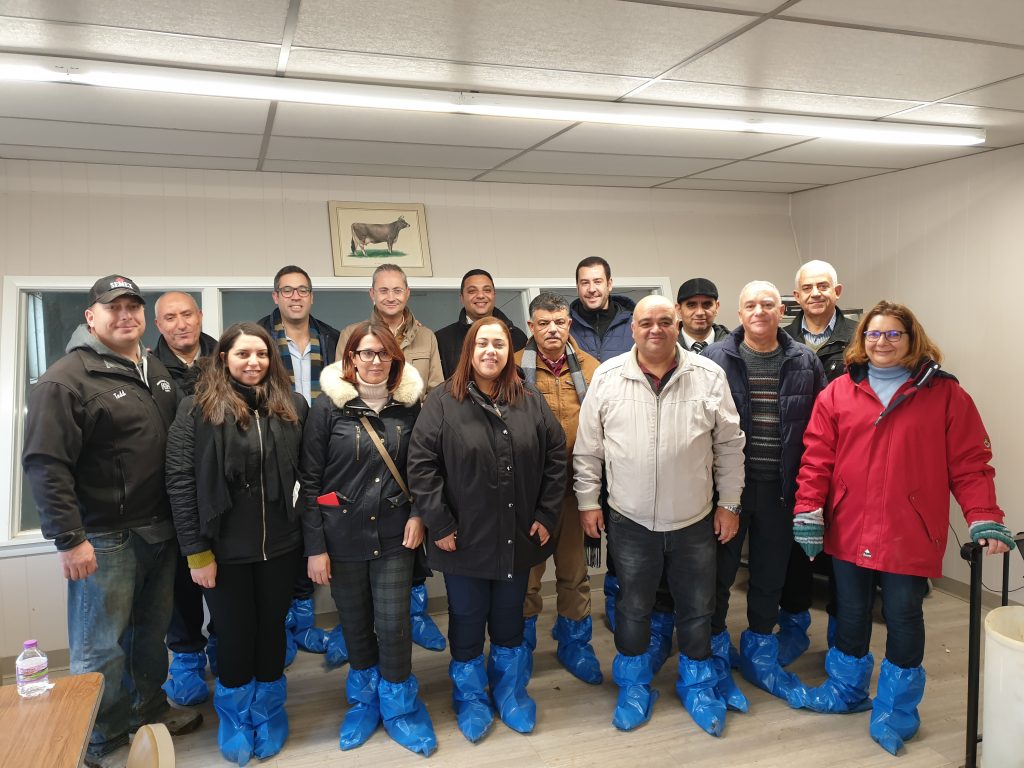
(211, 655)
(424, 631)
(696, 689)
(894, 716)
(611, 594)
(636, 697)
(846, 689)
(269, 719)
(234, 730)
(508, 670)
(792, 634)
(469, 697)
(662, 626)
(307, 636)
(726, 687)
(575, 651)
(830, 633)
(759, 664)
(405, 718)
(363, 715)
(337, 651)
(185, 685)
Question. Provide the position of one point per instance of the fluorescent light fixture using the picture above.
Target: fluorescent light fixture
(19, 67)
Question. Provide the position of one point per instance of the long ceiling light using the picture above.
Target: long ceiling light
(15, 67)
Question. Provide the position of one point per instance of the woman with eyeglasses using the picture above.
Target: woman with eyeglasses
(886, 444)
(360, 531)
(487, 468)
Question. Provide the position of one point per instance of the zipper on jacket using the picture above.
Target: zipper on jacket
(359, 429)
(657, 452)
(398, 432)
(263, 499)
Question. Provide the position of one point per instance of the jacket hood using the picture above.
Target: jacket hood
(408, 392)
(82, 338)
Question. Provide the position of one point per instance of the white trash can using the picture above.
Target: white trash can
(1003, 720)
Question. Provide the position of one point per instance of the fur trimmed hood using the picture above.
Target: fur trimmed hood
(408, 392)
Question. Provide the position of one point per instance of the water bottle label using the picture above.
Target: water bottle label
(32, 673)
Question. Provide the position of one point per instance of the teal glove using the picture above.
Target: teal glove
(809, 532)
(989, 529)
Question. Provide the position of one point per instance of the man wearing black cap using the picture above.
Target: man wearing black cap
(697, 306)
(95, 437)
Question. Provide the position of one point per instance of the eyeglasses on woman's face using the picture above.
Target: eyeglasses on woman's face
(892, 337)
(367, 355)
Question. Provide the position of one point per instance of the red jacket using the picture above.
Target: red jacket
(883, 477)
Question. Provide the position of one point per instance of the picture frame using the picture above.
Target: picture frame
(366, 235)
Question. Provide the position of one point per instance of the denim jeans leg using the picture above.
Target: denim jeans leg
(505, 616)
(903, 609)
(690, 568)
(469, 604)
(727, 565)
(153, 601)
(855, 595)
(640, 560)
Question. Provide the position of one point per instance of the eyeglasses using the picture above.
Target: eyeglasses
(367, 355)
(396, 292)
(288, 290)
(891, 336)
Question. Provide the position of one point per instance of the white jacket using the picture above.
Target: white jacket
(665, 454)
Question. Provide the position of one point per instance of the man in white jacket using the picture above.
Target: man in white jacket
(663, 424)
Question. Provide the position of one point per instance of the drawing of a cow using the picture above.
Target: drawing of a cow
(363, 234)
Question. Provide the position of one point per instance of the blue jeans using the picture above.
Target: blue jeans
(476, 604)
(902, 608)
(687, 558)
(117, 619)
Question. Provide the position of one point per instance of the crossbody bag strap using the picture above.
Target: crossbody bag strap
(386, 456)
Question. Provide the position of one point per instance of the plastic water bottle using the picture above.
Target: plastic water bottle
(32, 671)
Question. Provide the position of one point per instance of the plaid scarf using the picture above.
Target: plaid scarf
(316, 360)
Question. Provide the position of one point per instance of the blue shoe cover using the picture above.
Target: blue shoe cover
(696, 689)
(337, 651)
(234, 729)
(662, 627)
(792, 634)
(508, 673)
(269, 719)
(307, 636)
(405, 718)
(894, 716)
(424, 631)
(611, 594)
(185, 685)
(636, 700)
(469, 697)
(846, 689)
(830, 633)
(575, 651)
(211, 655)
(726, 687)
(363, 715)
(759, 664)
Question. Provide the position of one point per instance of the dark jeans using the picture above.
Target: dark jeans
(770, 525)
(117, 620)
(185, 634)
(249, 604)
(798, 591)
(373, 605)
(687, 559)
(902, 608)
(476, 604)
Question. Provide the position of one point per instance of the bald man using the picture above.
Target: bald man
(182, 341)
(662, 423)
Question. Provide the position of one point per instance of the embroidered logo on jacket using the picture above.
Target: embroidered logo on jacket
(164, 385)
(119, 395)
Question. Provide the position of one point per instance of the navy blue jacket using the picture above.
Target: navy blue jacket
(800, 380)
(618, 338)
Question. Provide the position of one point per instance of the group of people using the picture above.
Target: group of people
(284, 454)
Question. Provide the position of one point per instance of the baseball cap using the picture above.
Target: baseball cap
(111, 287)
(697, 286)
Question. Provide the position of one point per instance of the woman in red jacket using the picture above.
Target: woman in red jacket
(886, 443)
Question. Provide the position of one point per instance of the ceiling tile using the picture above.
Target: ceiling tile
(318, 121)
(362, 169)
(598, 164)
(600, 36)
(384, 153)
(572, 179)
(796, 173)
(831, 152)
(853, 62)
(668, 142)
(755, 6)
(1003, 127)
(997, 20)
(1006, 95)
(721, 185)
(62, 154)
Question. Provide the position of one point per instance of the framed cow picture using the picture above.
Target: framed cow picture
(366, 235)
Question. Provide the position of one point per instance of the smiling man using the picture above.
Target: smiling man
(600, 318)
(697, 306)
(820, 323)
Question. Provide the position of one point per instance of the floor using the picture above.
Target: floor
(574, 728)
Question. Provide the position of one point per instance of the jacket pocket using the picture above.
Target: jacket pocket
(935, 538)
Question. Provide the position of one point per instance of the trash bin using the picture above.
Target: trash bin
(1001, 745)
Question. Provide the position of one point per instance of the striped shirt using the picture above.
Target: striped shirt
(764, 441)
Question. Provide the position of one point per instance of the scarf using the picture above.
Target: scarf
(316, 360)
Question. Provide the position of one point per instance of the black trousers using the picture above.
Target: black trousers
(798, 591)
(249, 604)
(476, 605)
(185, 633)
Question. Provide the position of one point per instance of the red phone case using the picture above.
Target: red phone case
(328, 500)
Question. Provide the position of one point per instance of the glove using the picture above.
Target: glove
(809, 532)
(990, 529)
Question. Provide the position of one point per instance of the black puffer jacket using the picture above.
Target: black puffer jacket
(185, 376)
(451, 337)
(339, 457)
(487, 472)
(831, 352)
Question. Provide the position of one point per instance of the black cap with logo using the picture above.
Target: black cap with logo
(111, 287)
(697, 286)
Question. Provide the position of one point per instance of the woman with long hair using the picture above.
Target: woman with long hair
(886, 444)
(361, 535)
(487, 470)
(232, 468)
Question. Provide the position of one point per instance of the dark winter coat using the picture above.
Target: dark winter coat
(831, 352)
(450, 338)
(618, 337)
(329, 335)
(185, 376)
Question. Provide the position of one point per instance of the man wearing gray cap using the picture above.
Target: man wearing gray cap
(697, 307)
(95, 438)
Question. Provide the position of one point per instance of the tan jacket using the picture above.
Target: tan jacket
(418, 343)
(663, 454)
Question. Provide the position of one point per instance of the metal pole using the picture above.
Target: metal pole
(971, 552)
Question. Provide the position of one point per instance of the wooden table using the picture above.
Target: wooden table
(52, 730)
